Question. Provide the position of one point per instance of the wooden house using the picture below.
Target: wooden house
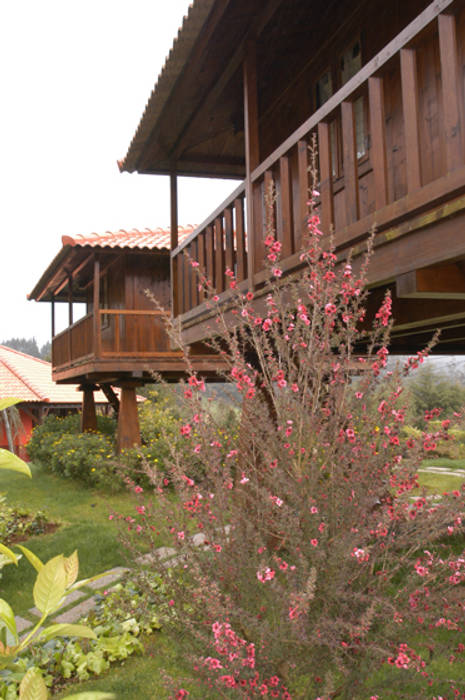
(246, 88)
(30, 379)
(121, 340)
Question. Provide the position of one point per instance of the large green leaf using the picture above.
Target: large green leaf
(9, 401)
(72, 568)
(7, 616)
(50, 586)
(67, 630)
(10, 461)
(8, 553)
(31, 557)
(33, 687)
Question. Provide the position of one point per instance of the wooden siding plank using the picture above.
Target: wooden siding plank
(96, 310)
(408, 70)
(181, 282)
(240, 239)
(349, 149)
(286, 227)
(326, 178)
(378, 139)
(451, 91)
(194, 257)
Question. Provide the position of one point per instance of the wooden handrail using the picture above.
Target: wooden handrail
(133, 312)
(348, 89)
(228, 202)
(75, 325)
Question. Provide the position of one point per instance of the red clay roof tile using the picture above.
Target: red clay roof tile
(152, 239)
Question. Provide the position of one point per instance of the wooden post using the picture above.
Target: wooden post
(326, 177)
(378, 140)
(70, 300)
(174, 243)
(349, 149)
(408, 71)
(128, 419)
(96, 306)
(53, 317)
(451, 91)
(88, 415)
(252, 149)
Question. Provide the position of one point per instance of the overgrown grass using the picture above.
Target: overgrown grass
(86, 527)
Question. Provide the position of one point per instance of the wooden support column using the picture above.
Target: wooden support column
(70, 300)
(252, 149)
(302, 228)
(174, 243)
(96, 301)
(408, 72)
(451, 82)
(128, 419)
(88, 415)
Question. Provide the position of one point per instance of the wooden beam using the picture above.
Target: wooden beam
(445, 281)
(70, 300)
(252, 148)
(111, 397)
(452, 93)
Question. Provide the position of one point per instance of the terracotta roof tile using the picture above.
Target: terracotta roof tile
(151, 239)
(30, 379)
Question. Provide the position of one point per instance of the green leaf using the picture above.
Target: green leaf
(33, 687)
(31, 557)
(8, 553)
(91, 695)
(7, 616)
(72, 568)
(85, 581)
(50, 586)
(7, 402)
(10, 461)
(67, 630)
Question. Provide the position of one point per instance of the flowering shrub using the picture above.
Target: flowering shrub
(58, 446)
(316, 559)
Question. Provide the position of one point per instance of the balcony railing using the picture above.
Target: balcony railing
(112, 333)
(391, 181)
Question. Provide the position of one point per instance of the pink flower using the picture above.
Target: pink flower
(330, 309)
(314, 542)
(138, 489)
(266, 575)
(266, 324)
(277, 272)
(186, 430)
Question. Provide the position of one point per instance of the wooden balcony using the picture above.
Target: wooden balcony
(119, 342)
(398, 163)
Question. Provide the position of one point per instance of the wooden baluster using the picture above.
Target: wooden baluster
(452, 99)
(194, 275)
(349, 150)
(202, 265)
(378, 140)
(210, 252)
(264, 217)
(117, 339)
(326, 178)
(286, 228)
(96, 303)
(408, 73)
(241, 254)
(187, 279)
(302, 155)
(181, 282)
(230, 257)
(219, 254)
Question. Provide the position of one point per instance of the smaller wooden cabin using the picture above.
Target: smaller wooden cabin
(121, 340)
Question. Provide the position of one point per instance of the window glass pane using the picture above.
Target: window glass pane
(324, 89)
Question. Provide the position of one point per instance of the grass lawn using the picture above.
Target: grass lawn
(83, 513)
(440, 483)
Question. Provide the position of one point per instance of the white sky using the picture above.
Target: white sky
(74, 80)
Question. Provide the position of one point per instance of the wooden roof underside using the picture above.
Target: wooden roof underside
(193, 123)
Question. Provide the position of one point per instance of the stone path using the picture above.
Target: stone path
(446, 471)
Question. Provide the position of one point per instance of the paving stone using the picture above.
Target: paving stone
(199, 539)
(75, 614)
(71, 598)
(22, 624)
(112, 576)
(160, 553)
